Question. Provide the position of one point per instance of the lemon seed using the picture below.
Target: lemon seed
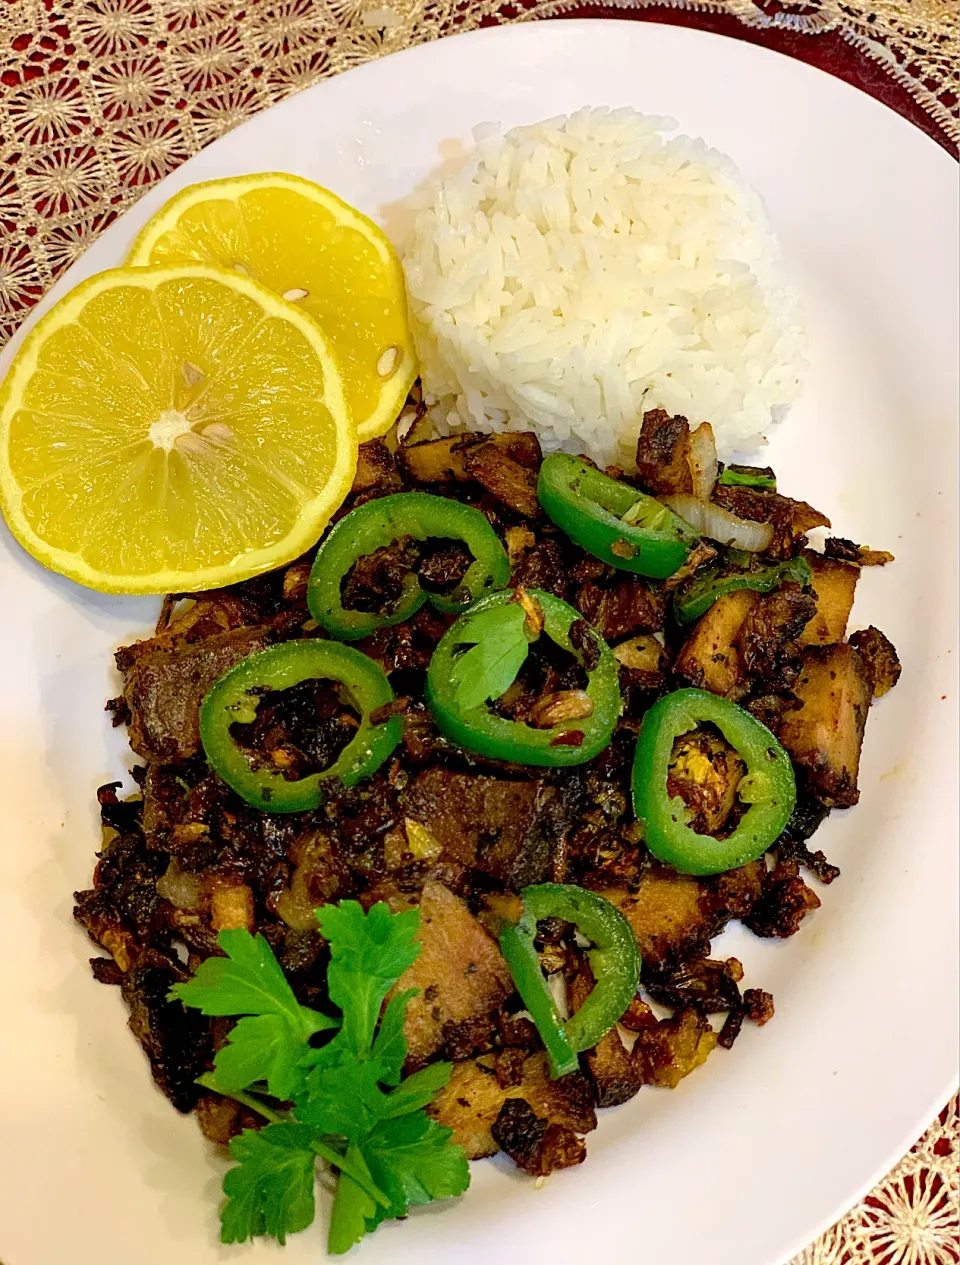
(296, 293)
(387, 362)
(191, 374)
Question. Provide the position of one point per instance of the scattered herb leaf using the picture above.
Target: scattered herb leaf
(499, 646)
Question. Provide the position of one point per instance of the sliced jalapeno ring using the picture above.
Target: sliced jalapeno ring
(379, 523)
(614, 960)
(612, 520)
(236, 695)
(481, 731)
(768, 788)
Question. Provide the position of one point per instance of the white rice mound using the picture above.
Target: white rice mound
(582, 270)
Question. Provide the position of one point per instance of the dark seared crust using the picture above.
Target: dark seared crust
(376, 469)
(164, 688)
(767, 639)
(710, 988)
(534, 1144)
(823, 736)
(375, 581)
(611, 1067)
(662, 467)
(177, 1041)
(511, 483)
(505, 829)
(625, 608)
(460, 836)
(785, 902)
(861, 555)
(880, 657)
(792, 844)
(790, 520)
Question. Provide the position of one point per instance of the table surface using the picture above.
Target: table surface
(99, 99)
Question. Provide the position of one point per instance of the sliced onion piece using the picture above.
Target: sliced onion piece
(719, 524)
(702, 460)
(180, 888)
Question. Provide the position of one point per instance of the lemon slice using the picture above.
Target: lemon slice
(315, 251)
(172, 429)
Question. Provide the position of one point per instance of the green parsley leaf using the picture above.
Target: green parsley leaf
(270, 1043)
(413, 1161)
(417, 1090)
(390, 1045)
(387, 1154)
(248, 981)
(270, 1190)
(353, 1214)
(261, 1048)
(499, 647)
(368, 954)
(342, 1097)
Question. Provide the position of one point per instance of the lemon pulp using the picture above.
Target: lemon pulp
(172, 429)
(310, 247)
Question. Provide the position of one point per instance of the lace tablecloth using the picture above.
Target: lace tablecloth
(99, 99)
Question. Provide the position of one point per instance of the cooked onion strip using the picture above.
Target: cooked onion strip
(702, 460)
(719, 524)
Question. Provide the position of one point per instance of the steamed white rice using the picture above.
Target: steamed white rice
(582, 270)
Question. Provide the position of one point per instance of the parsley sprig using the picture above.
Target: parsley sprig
(350, 1105)
(499, 641)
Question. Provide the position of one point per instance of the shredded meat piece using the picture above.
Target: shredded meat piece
(785, 902)
(375, 581)
(706, 987)
(662, 466)
(846, 551)
(629, 607)
(163, 689)
(460, 977)
(504, 829)
(513, 484)
(376, 469)
(791, 520)
(542, 567)
(443, 567)
(534, 1144)
(880, 657)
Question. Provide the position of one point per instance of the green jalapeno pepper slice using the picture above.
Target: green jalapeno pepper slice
(379, 523)
(478, 729)
(740, 571)
(611, 520)
(748, 477)
(768, 787)
(614, 960)
(236, 695)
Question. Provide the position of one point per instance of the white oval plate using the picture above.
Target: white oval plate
(757, 1153)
